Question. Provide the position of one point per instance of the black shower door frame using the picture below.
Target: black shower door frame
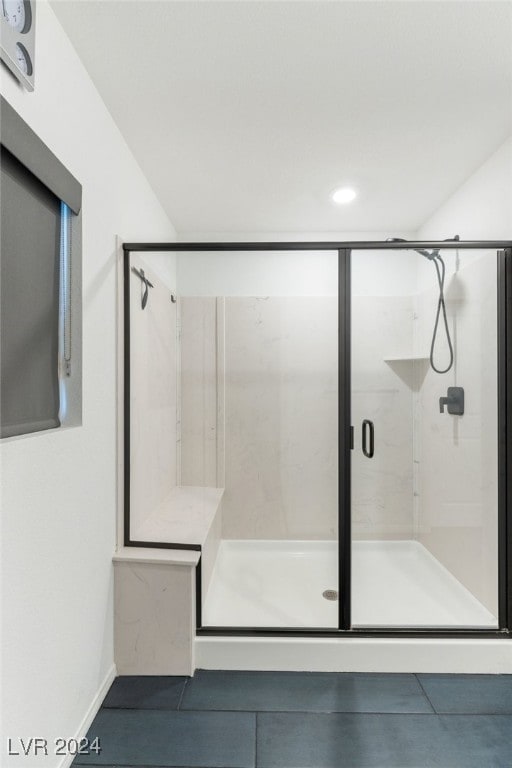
(345, 431)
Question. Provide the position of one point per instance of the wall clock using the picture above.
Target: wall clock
(17, 39)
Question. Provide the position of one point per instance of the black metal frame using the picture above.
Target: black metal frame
(344, 249)
(505, 436)
(345, 441)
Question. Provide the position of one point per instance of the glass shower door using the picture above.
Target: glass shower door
(424, 548)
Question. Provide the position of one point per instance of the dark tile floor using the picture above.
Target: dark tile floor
(305, 720)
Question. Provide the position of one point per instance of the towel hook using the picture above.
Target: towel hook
(145, 282)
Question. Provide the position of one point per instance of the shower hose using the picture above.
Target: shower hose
(441, 309)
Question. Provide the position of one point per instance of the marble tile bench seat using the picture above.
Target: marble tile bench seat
(155, 589)
(188, 515)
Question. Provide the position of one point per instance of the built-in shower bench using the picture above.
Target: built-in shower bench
(155, 589)
(185, 516)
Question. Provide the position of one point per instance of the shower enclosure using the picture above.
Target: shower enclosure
(285, 393)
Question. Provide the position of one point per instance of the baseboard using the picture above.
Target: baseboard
(484, 656)
(91, 713)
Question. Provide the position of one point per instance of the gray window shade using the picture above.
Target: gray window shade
(29, 302)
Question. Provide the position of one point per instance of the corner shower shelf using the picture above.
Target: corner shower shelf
(405, 358)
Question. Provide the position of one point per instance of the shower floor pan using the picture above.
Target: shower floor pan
(281, 584)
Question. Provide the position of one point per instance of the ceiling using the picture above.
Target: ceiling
(245, 116)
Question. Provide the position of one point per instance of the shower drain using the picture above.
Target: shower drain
(330, 594)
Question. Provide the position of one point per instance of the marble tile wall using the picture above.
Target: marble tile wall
(272, 399)
(384, 378)
(209, 552)
(281, 453)
(199, 391)
(457, 478)
(154, 618)
(153, 394)
(280, 380)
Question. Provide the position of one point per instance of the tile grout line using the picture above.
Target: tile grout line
(153, 765)
(425, 693)
(178, 708)
(365, 713)
(406, 713)
(256, 740)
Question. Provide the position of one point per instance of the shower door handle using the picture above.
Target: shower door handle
(368, 438)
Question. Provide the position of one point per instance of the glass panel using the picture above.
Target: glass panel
(258, 417)
(424, 507)
(234, 427)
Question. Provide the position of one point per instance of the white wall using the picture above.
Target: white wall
(294, 273)
(481, 208)
(161, 263)
(258, 273)
(287, 237)
(59, 488)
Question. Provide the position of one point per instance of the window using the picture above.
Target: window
(40, 291)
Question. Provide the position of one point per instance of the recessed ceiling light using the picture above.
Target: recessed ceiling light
(344, 195)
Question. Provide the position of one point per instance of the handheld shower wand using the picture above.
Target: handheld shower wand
(439, 264)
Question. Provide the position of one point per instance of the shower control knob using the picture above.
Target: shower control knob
(454, 401)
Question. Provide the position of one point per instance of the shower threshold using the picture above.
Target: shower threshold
(281, 584)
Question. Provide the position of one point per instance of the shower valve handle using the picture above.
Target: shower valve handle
(454, 401)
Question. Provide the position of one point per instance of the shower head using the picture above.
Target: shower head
(433, 254)
(428, 254)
